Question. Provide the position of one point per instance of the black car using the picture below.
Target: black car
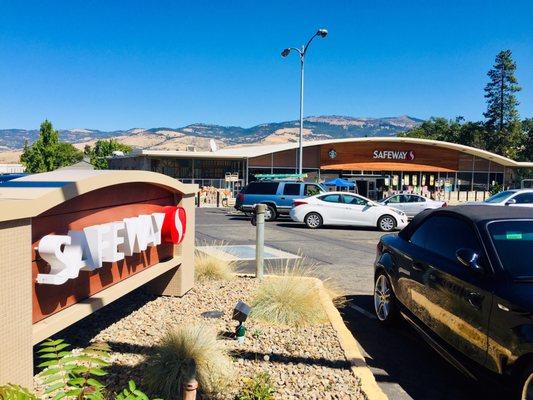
(463, 276)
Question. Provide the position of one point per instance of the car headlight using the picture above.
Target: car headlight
(399, 212)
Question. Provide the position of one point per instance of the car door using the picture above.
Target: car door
(398, 202)
(356, 211)
(332, 209)
(290, 192)
(450, 298)
(417, 204)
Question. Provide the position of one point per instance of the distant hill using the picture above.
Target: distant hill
(198, 135)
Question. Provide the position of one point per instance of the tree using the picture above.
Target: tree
(48, 152)
(454, 131)
(103, 149)
(526, 149)
(503, 124)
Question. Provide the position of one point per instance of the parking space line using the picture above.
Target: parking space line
(362, 311)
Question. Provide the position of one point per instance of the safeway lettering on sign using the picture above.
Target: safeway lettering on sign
(90, 248)
(394, 155)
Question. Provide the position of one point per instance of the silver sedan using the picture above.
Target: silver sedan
(411, 204)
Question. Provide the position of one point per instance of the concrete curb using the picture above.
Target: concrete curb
(351, 348)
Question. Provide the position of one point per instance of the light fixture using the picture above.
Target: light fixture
(322, 33)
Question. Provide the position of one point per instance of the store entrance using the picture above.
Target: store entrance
(370, 187)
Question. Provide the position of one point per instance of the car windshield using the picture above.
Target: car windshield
(391, 199)
(513, 241)
(499, 197)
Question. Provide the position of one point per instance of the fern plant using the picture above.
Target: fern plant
(131, 393)
(15, 392)
(73, 375)
(68, 375)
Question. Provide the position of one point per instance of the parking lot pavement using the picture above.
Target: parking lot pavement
(404, 365)
(342, 254)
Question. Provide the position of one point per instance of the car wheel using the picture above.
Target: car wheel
(525, 384)
(313, 220)
(384, 299)
(386, 223)
(270, 213)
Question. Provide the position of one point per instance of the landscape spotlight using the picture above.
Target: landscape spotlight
(285, 52)
(241, 312)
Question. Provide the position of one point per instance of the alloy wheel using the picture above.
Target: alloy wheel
(386, 223)
(527, 390)
(382, 295)
(313, 220)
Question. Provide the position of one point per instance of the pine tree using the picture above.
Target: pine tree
(503, 124)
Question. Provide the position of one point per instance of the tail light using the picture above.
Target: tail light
(240, 197)
(445, 204)
(379, 248)
(298, 203)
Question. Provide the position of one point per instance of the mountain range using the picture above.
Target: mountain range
(199, 135)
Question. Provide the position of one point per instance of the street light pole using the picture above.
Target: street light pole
(301, 135)
(322, 33)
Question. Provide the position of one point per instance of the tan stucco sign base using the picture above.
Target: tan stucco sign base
(54, 203)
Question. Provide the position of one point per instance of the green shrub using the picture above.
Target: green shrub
(185, 353)
(257, 388)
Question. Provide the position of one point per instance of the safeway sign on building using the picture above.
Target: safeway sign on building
(394, 155)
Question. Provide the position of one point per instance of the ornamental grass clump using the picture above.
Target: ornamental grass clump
(292, 298)
(211, 268)
(185, 353)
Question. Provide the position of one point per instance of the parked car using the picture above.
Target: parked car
(341, 208)
(463, 277)
(412, 204)
(277, 195)
(516, 197)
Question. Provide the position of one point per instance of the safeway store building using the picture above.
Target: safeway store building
(375, 164)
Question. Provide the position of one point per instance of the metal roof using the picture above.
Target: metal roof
(244, 152)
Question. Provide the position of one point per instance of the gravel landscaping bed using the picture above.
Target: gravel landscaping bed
(304, 363)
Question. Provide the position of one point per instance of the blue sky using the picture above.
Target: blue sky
(123, 64)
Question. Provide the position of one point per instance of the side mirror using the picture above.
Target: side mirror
(469, 258)
(370, 203)
(510, 201)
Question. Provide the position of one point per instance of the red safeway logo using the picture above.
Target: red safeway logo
(174, 225)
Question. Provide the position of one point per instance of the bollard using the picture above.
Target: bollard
(259, 239)
(218, 199)
(189, 390)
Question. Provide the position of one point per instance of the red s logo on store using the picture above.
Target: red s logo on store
(174, 225)
(411, 155)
